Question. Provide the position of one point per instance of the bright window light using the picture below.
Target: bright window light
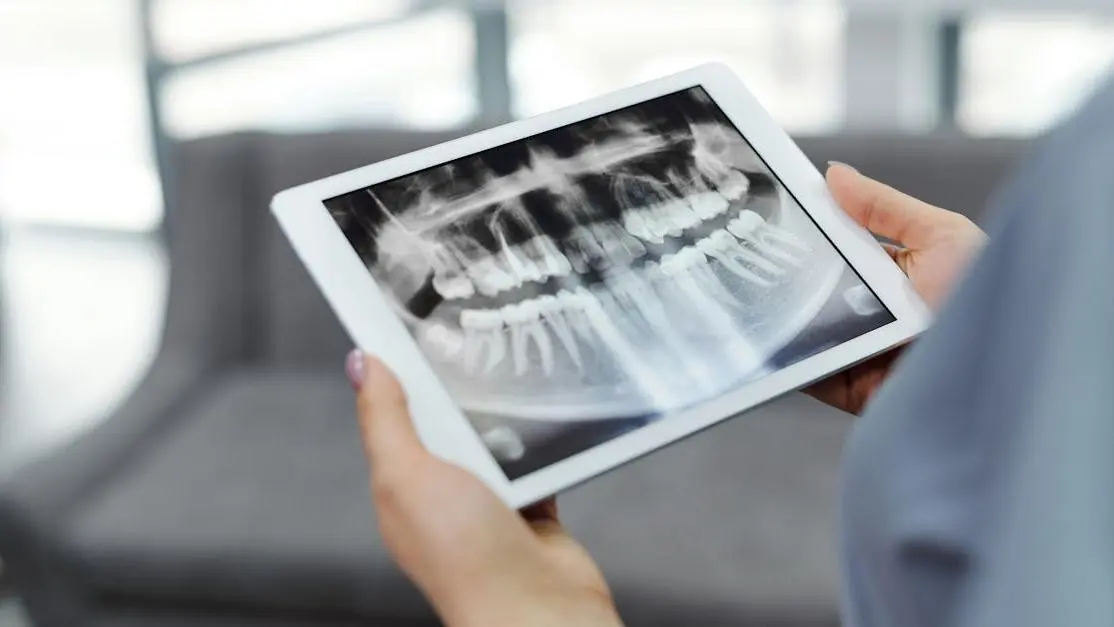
(1023, 72)
(387, 75)
(789, 52)
(74, 144)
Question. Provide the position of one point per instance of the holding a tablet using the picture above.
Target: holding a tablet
(563, 294)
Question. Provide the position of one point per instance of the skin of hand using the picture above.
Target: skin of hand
(934, 248)
(477, 561)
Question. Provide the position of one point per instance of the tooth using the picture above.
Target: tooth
(523, 320)
(728, 243)
(552, 312)
(573, 307)
(708, 205)
(637, 295)
(521, 266)
(641, 226)
(447, 343)
(662, 221)
(689, 267)
(754, 223)
(750, 226)
(533, 329)
(618, 245)
(682, 214)
(452, 287)
(489, 277)
(648, 381)
(710, 248)
(548, 258)
(783, 236)
(483, 328)
(735, 186)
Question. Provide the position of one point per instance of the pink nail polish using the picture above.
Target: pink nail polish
(354, 368)
(840, 163)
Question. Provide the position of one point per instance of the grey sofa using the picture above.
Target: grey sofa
(230, 489)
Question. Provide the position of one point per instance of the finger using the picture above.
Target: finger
(389, 436)
(883, 210)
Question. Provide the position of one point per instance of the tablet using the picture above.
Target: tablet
(563, 294)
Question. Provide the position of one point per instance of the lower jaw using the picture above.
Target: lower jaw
(631, 368)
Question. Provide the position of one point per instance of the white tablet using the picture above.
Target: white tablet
(563, 294)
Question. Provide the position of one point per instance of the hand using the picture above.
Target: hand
(934, 248)
(477, 561)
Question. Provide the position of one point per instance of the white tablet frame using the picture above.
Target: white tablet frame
(442, 426)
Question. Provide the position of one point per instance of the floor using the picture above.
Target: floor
(80, 318)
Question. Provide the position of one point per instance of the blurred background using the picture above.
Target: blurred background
(95, 95)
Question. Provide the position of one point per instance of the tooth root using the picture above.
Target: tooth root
(631, 246)
(585, 250)
(483, 329)
(783, 236)
(523, 320)
(758, 260)
(556, 321)
(498, 344)
(750, 226)
(776, 253)
(690, 267)
(751, 256)
(535, 331)
(732, 266)
(549, 259)
(648, 381)
(619, 246)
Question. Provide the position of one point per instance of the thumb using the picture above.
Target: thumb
(389, 437)
(883, 210)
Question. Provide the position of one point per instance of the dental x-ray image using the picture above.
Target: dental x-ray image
(584, 282)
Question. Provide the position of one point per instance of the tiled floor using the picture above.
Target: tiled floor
(80, 317)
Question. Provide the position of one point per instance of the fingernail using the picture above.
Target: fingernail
(354, 368)
(842, 164)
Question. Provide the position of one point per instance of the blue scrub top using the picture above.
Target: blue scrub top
(978, 489)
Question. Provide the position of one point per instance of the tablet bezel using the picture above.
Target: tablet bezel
(442, 426)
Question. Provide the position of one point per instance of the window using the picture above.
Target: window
(387, 74)
(787, 51)
(1020, 73)
(74, 143)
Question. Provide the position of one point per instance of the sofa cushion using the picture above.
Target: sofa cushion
(258, 499)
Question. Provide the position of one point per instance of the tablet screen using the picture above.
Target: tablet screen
(587, 281)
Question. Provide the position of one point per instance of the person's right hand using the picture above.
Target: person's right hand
(934, 248)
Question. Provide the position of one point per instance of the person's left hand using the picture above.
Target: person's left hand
(478, 562)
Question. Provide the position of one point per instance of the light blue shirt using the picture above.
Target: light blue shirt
(979, 487)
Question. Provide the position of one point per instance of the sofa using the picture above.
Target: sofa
(230, 488)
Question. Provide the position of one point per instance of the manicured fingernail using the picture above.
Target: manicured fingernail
(354, 368)
(842, 164)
